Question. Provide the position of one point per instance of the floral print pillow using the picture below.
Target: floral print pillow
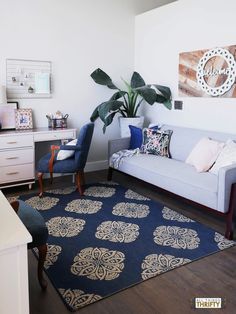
(156, 142)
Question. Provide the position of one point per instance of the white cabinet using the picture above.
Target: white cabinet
(16, 158)
(14, 237)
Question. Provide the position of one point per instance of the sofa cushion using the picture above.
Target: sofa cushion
(65, 154)
(156, 142)
(136, 138)
(174, 176)
(226, 157)
(204, 154)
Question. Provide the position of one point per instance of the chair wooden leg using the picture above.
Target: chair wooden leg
(40, 179)
(109, 174)
(42, 256)
(51, 177)
(80, 182)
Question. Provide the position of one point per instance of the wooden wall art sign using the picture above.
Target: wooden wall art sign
(208, 73)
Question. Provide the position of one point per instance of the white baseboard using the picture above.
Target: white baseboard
(96, 165)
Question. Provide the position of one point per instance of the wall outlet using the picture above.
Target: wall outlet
(178, 105)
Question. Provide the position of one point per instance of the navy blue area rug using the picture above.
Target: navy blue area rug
(113, 238)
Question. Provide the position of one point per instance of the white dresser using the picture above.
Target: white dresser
(14, 294)
(17, 153)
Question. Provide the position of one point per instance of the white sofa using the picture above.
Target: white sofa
(215, 192)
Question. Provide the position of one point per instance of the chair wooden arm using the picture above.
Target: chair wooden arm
(53, 149)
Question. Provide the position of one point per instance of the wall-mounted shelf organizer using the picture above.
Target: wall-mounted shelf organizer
(28, 79)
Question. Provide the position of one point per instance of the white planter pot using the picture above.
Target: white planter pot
(125, 122)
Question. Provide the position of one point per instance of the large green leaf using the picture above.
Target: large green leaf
(162, 100)
(108, 121)
(95, 114)
(108, 107)
(165, 91)
(137, 80)
(147, 93)
(100, 77)
(118, 95)
(168, 104)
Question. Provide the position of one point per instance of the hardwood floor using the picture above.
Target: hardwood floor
(169, 293)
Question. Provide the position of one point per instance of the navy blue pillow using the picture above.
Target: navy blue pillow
(136, 138)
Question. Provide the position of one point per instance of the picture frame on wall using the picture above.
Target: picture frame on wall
(24, 119)
(7, 115)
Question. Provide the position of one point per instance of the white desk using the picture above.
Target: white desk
(17, 153)
(13, 261)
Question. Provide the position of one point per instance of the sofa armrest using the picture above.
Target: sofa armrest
(226, 177)
(117, 145)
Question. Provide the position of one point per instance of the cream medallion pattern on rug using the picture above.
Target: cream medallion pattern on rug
(176, 237)
(65, 226)
(155, 264)
(42, 203)
(78, 298)
(98, 263)
(53, 251)
(222, 242)
(131, 210)
(135, 196)
(109, 183)
(170, 214)
(52, 255)
(99, 191)
(117, 231)
(64, 191)
(82, 206)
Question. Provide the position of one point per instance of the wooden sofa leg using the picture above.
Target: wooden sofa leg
(109, 174)
(40, 179)
(230, 214)
(80, 182)
(42, 256)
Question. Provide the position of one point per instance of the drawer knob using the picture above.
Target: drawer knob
(9, 158)
(11, 142)
(12, 173)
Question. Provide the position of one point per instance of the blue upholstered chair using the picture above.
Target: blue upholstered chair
(36, 226)
(74, 164)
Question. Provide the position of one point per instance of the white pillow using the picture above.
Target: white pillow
(64, 154)
(204, 154)
(226, 157)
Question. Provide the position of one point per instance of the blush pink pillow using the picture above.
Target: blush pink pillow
(204, 154)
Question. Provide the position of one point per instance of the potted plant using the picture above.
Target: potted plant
(126, 102)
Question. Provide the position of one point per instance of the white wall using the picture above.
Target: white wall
(77, 36)
(185, 25)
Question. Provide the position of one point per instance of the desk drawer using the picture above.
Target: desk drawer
(52, 135)
(7, 142)
(16, 173)
(16, 157)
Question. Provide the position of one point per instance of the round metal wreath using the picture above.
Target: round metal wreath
(231, 71)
